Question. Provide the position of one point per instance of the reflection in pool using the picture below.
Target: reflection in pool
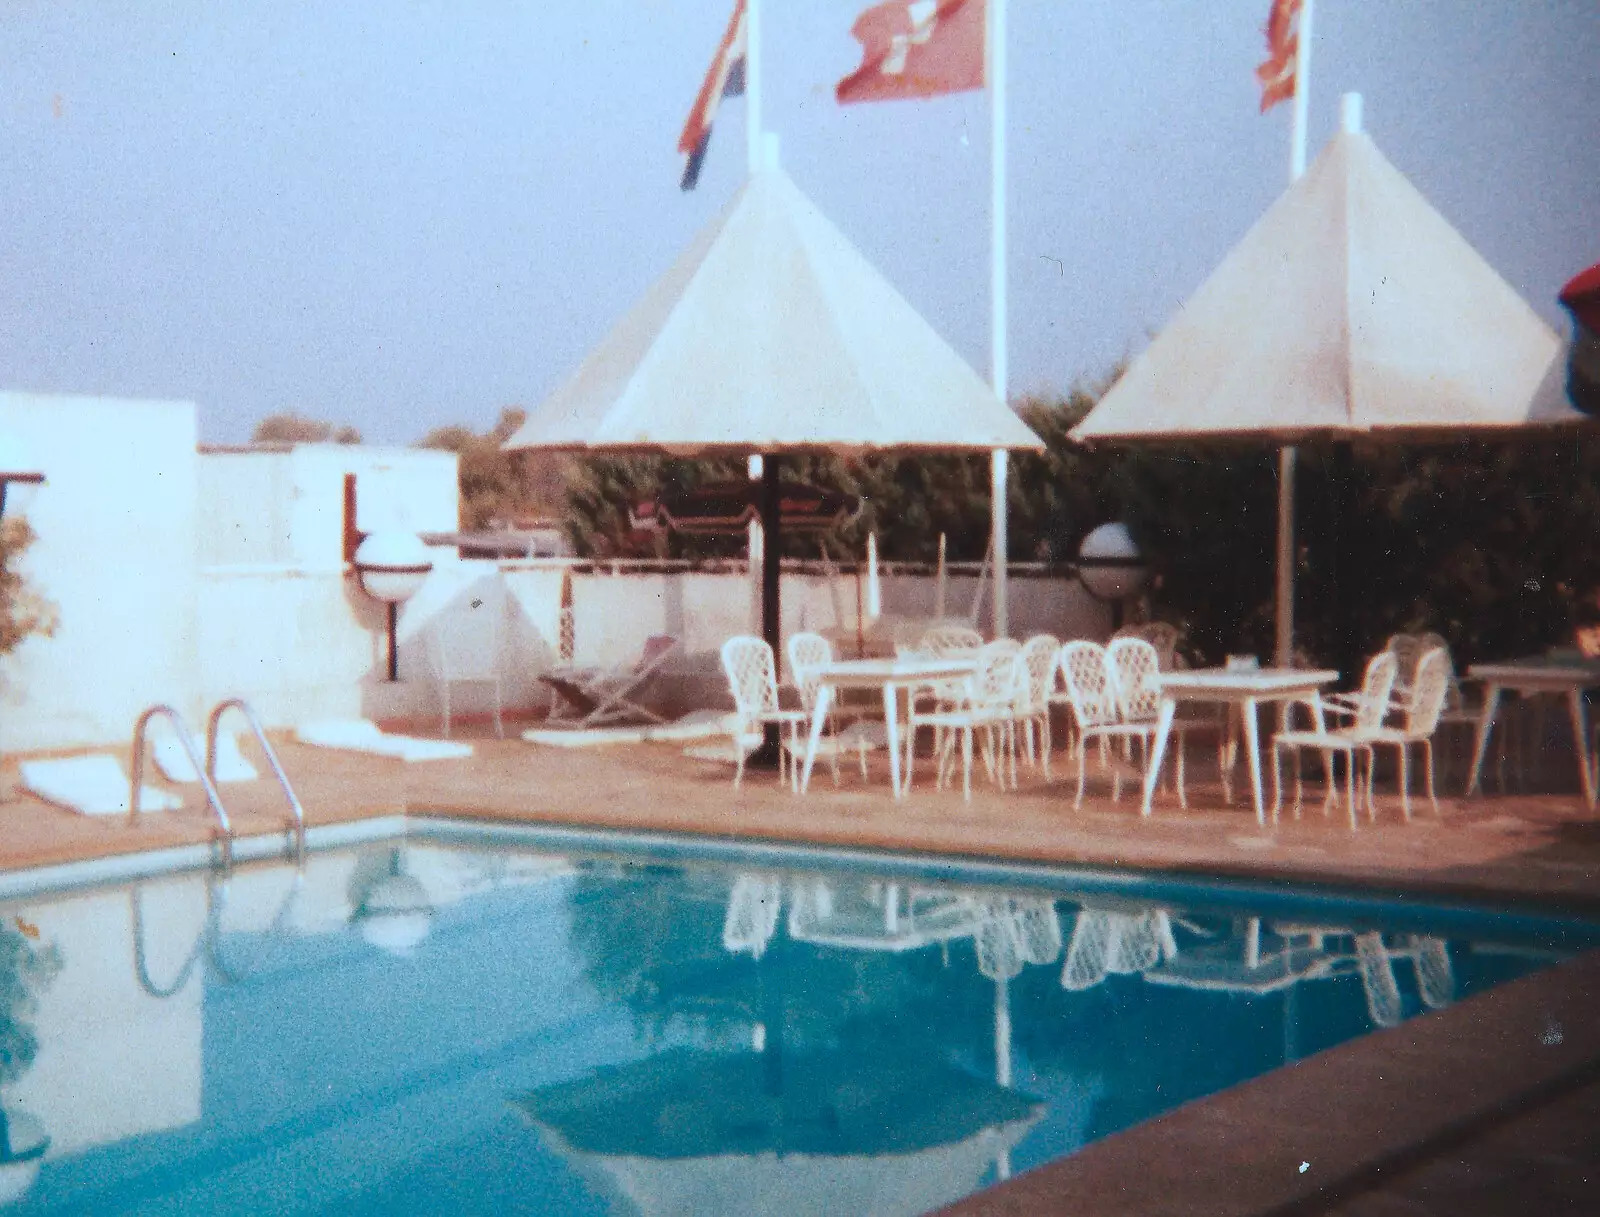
(414, 1028)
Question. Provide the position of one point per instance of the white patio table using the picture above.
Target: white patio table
(1537, 675)
(889, 675)
(1245, 689)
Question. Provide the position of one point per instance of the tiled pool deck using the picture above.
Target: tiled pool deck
(1486, 1107)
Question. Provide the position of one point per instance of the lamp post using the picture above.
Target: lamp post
(1111, 568)
(20, 476)
(392, 566)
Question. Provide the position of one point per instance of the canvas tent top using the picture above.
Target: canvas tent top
(772, 333)
(1351, 307)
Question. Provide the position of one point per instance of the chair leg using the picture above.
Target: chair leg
(1077, 803)
(1350, 787)
(1404, 750)
(1277, 780)
(1427, 753)
(1047, 743)
(1183, 795)
(738, 751)
(966, 762)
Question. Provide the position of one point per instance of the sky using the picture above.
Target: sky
(402, 214)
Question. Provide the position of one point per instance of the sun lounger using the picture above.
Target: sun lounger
(598, 695)
(175, 765)
(362, 735)
(91, 785)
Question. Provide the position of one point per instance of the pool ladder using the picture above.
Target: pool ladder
(208, 771)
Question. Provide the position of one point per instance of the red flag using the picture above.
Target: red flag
(1276, 73)
(916, 48)
(724, 78)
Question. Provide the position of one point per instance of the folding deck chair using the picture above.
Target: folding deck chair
(594, 697)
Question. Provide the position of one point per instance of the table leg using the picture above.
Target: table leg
(891, 722)
(1580, 731)
(1158, 751)
(1252, 743)
(819, 715)
(1491, 706)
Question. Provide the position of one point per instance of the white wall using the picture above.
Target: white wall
(116, 553)
(287, 507)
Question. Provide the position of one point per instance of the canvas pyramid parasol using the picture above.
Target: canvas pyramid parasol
(1351, 307)
(773, 334)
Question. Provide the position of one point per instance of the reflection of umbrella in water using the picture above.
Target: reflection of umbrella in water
(23, 1142)
(392, 908)
(728, 508)
(884, 1134)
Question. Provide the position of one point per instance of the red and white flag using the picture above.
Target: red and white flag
(724, 78)
(916, 48)
(1276, 72)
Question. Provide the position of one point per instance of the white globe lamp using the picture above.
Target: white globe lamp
(1111, 567)
(392, 567)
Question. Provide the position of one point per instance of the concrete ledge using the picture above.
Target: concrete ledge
(1358, 1115)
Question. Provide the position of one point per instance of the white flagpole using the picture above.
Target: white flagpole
(996, 53)
(752, 85)
(1284, 650)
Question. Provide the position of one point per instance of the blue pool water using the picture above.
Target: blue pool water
(424, 1028)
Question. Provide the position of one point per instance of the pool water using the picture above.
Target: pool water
(415, 1027)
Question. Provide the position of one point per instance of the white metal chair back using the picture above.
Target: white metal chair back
(1089, 685)
(1428, 693)
(999, 673)
(1407, 650)
(1162, 635)
(807, 653)
(1134, 665)
(1040, 656)
(950, 640)
(1376, 685)
(752, 675)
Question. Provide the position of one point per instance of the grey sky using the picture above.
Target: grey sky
(404, 213)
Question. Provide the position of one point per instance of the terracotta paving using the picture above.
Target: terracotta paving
(1467, 1110)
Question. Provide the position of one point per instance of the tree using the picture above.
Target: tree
(498, 486)
(23, 612)
(292, 428)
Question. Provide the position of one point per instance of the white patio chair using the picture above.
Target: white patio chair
(753, 680)
(987, 701)
(1041, 655)
(1092, 694)
(1350, 741)
(1162, 635)
(1134, 665)
(463, 643)
(598, 696)
(807, 653)
(1423, 704)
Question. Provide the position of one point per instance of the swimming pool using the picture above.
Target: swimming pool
(433, 1025)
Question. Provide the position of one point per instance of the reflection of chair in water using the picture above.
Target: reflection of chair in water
(752, 914)
(1104, 942)
(878, 916)
(1016, 931)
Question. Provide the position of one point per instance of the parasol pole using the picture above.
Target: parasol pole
(1283, 652)
(938, 583)
(995, 50)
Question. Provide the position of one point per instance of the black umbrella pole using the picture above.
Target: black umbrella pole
(771, 604)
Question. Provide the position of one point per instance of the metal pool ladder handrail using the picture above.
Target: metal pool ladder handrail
(181, 729)
(298, 813)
